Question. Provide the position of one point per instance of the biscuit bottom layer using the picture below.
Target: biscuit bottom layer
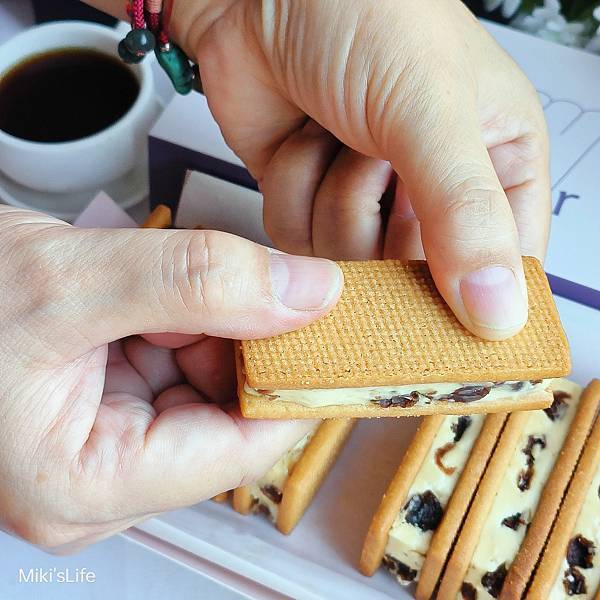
(579, 573)
(410, 535)
(519, 491)
(267, 492)
(406, 396)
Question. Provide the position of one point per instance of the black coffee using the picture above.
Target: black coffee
(65, 95)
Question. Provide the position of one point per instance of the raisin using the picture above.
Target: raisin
(261, 509)
(535, 381)
(468, 592)
(516, 386)
(558, 407)
(526, 475)
(460, 426)
(439, 458)
(268, 394)
(400, 569)
(574, 582)
(493, 581)
(580, 552)
(468, 393)
(424, 511)
(404, 401)
(272, 493)
(514, 521)
(524, 479)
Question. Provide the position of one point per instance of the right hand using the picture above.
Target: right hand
(324, 100)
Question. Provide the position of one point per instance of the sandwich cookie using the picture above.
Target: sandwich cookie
(565, 392)
(392, 347)
(570, 565)
(284, 493)
(425, 502)
(528, 458)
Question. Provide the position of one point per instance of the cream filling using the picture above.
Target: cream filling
(406, 542)
(425, 393)
(587, 525)
(276, 477)
(498, 543)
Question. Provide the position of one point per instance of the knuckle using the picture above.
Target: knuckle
(193, 273)
(474, 203)
(36, 273)
(288, 238)
(535, 145)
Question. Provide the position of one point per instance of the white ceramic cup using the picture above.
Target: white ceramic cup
(92, 161)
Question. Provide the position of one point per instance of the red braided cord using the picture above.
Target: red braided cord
(154, 17)
(167, 13)
(153, 20)
(163, 38)
(154, 6)
(149, 13)
(138, 21)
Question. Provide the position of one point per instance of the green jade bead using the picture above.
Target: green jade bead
(126, 56)
(177, 66)
(140, 41)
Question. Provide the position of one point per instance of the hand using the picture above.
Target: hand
(101, 428)
(325, 100)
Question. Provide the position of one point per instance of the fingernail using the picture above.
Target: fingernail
(304, 283)
(493, 298)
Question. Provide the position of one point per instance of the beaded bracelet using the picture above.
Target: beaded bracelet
(150, 32)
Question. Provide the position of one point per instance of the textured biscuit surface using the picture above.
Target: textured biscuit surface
(567, 517)
(458, 505)
(311, 470)
(306, 476)
(395, 495)
(486, 492)
(392, 327)
(537, 533)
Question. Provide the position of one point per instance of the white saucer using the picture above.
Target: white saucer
(127, 191)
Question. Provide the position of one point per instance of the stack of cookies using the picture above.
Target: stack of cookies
(498, 493)
(471, 507)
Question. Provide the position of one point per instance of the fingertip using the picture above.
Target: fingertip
(305, 284)
(495, 301)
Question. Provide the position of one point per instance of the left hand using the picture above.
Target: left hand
(102, 428)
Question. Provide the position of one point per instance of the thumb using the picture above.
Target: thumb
(468, 230)
(114, 283)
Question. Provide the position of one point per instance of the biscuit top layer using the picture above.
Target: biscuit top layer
(392, 327)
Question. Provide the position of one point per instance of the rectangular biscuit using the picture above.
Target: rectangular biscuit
(531, 548)
(462, 553)
(395, 495)
(456, 510)
(492, 538)
(571, 558)
(298, 476)
(445, 458)
(392, 327)
(159, 218)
